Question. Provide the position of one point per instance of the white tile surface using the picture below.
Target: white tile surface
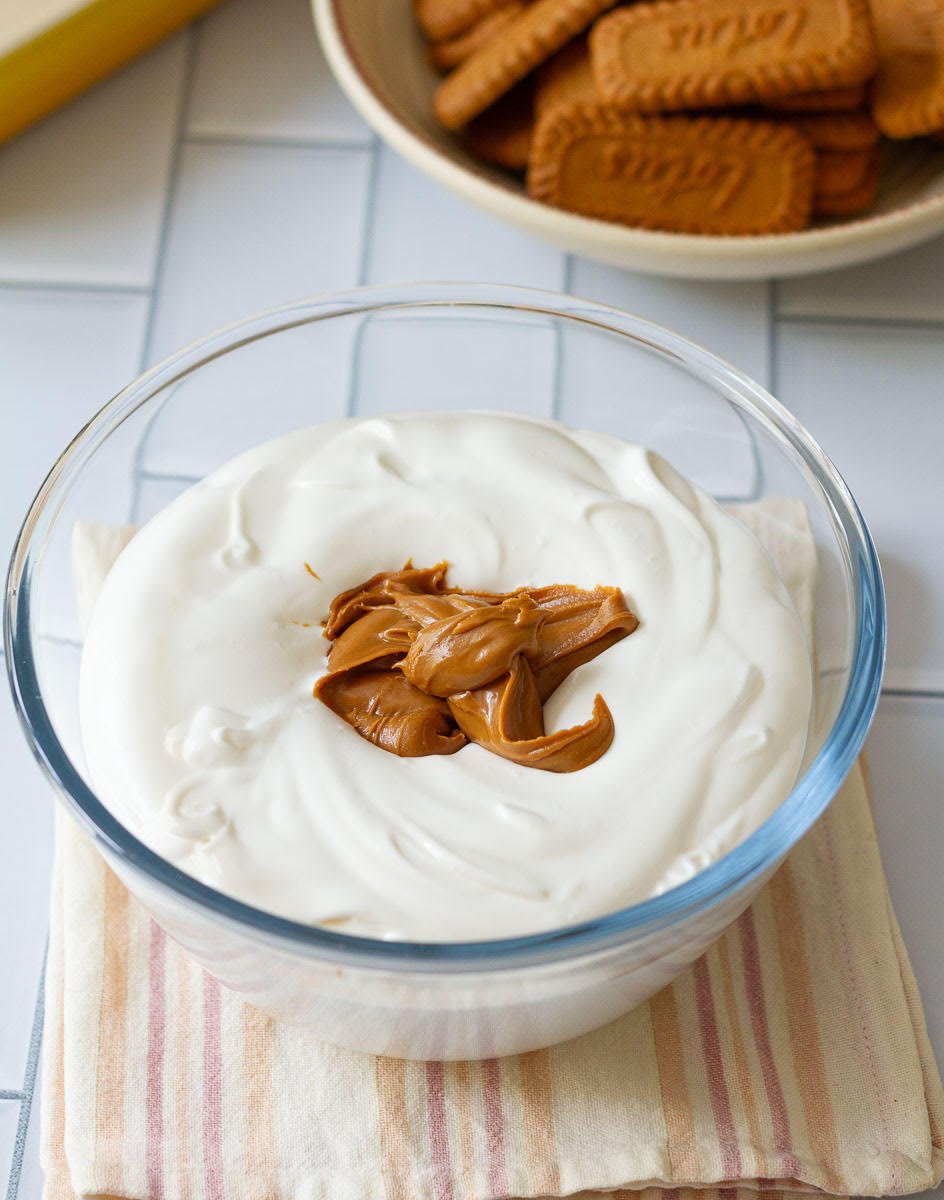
(62, 355)
(232, 405)
(421, 231)
(9, 1119)
(260, 73)
(906, 285)
(25, 860)
(155, 492)
(729, 319)
(656, 401)
(82, 193)
(906, 755)
(873, 399)
(644, 398)
(401, 365)
(253, 227)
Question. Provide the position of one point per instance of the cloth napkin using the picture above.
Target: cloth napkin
(792, 1057)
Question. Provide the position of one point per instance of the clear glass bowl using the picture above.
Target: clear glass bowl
(442, 346)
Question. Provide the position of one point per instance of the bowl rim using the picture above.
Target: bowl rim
(900, 227)
(757, 854)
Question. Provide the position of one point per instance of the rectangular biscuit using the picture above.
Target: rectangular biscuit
(908, 95)
(684, 54)
(706, 175)
(447, 55)
(443, 19)
(545, 27)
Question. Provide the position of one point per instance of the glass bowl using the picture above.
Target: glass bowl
(421, 347)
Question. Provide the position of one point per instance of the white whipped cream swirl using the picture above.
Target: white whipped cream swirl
(202, 734)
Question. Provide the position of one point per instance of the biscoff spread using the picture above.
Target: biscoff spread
(419, 668)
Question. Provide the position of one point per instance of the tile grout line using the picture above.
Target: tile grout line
(757, 463)
(567, 282)
(570, 270)
(173, 174)
(249, 142)
(168, 476)
(8, 1094)
(29, 1084)
(16, 1160)
(773, 365)
(61, 639)
(900, 693)
(773, 341)
(733, 501)
(846, 321)
(91, 287)
(363, 269)
(772, 381)
(173, 178)
(139, 474)
(370, 210)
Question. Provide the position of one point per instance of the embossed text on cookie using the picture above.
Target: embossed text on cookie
(731, 32)
(667, 174)
(683, 54)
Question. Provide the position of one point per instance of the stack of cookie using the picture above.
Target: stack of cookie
(691, 116)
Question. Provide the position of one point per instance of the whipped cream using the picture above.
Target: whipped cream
(203, 736)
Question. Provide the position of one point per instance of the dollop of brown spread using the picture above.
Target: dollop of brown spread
(418, 667)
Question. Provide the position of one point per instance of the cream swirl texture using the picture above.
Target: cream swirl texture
(203, 736)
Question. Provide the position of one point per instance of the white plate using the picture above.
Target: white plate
(377, 54)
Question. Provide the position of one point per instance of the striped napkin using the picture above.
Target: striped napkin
(792, 1057)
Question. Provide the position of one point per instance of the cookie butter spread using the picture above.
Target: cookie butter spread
(420, 668)
(204, 736)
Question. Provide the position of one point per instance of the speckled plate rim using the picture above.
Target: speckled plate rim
(685, 255)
